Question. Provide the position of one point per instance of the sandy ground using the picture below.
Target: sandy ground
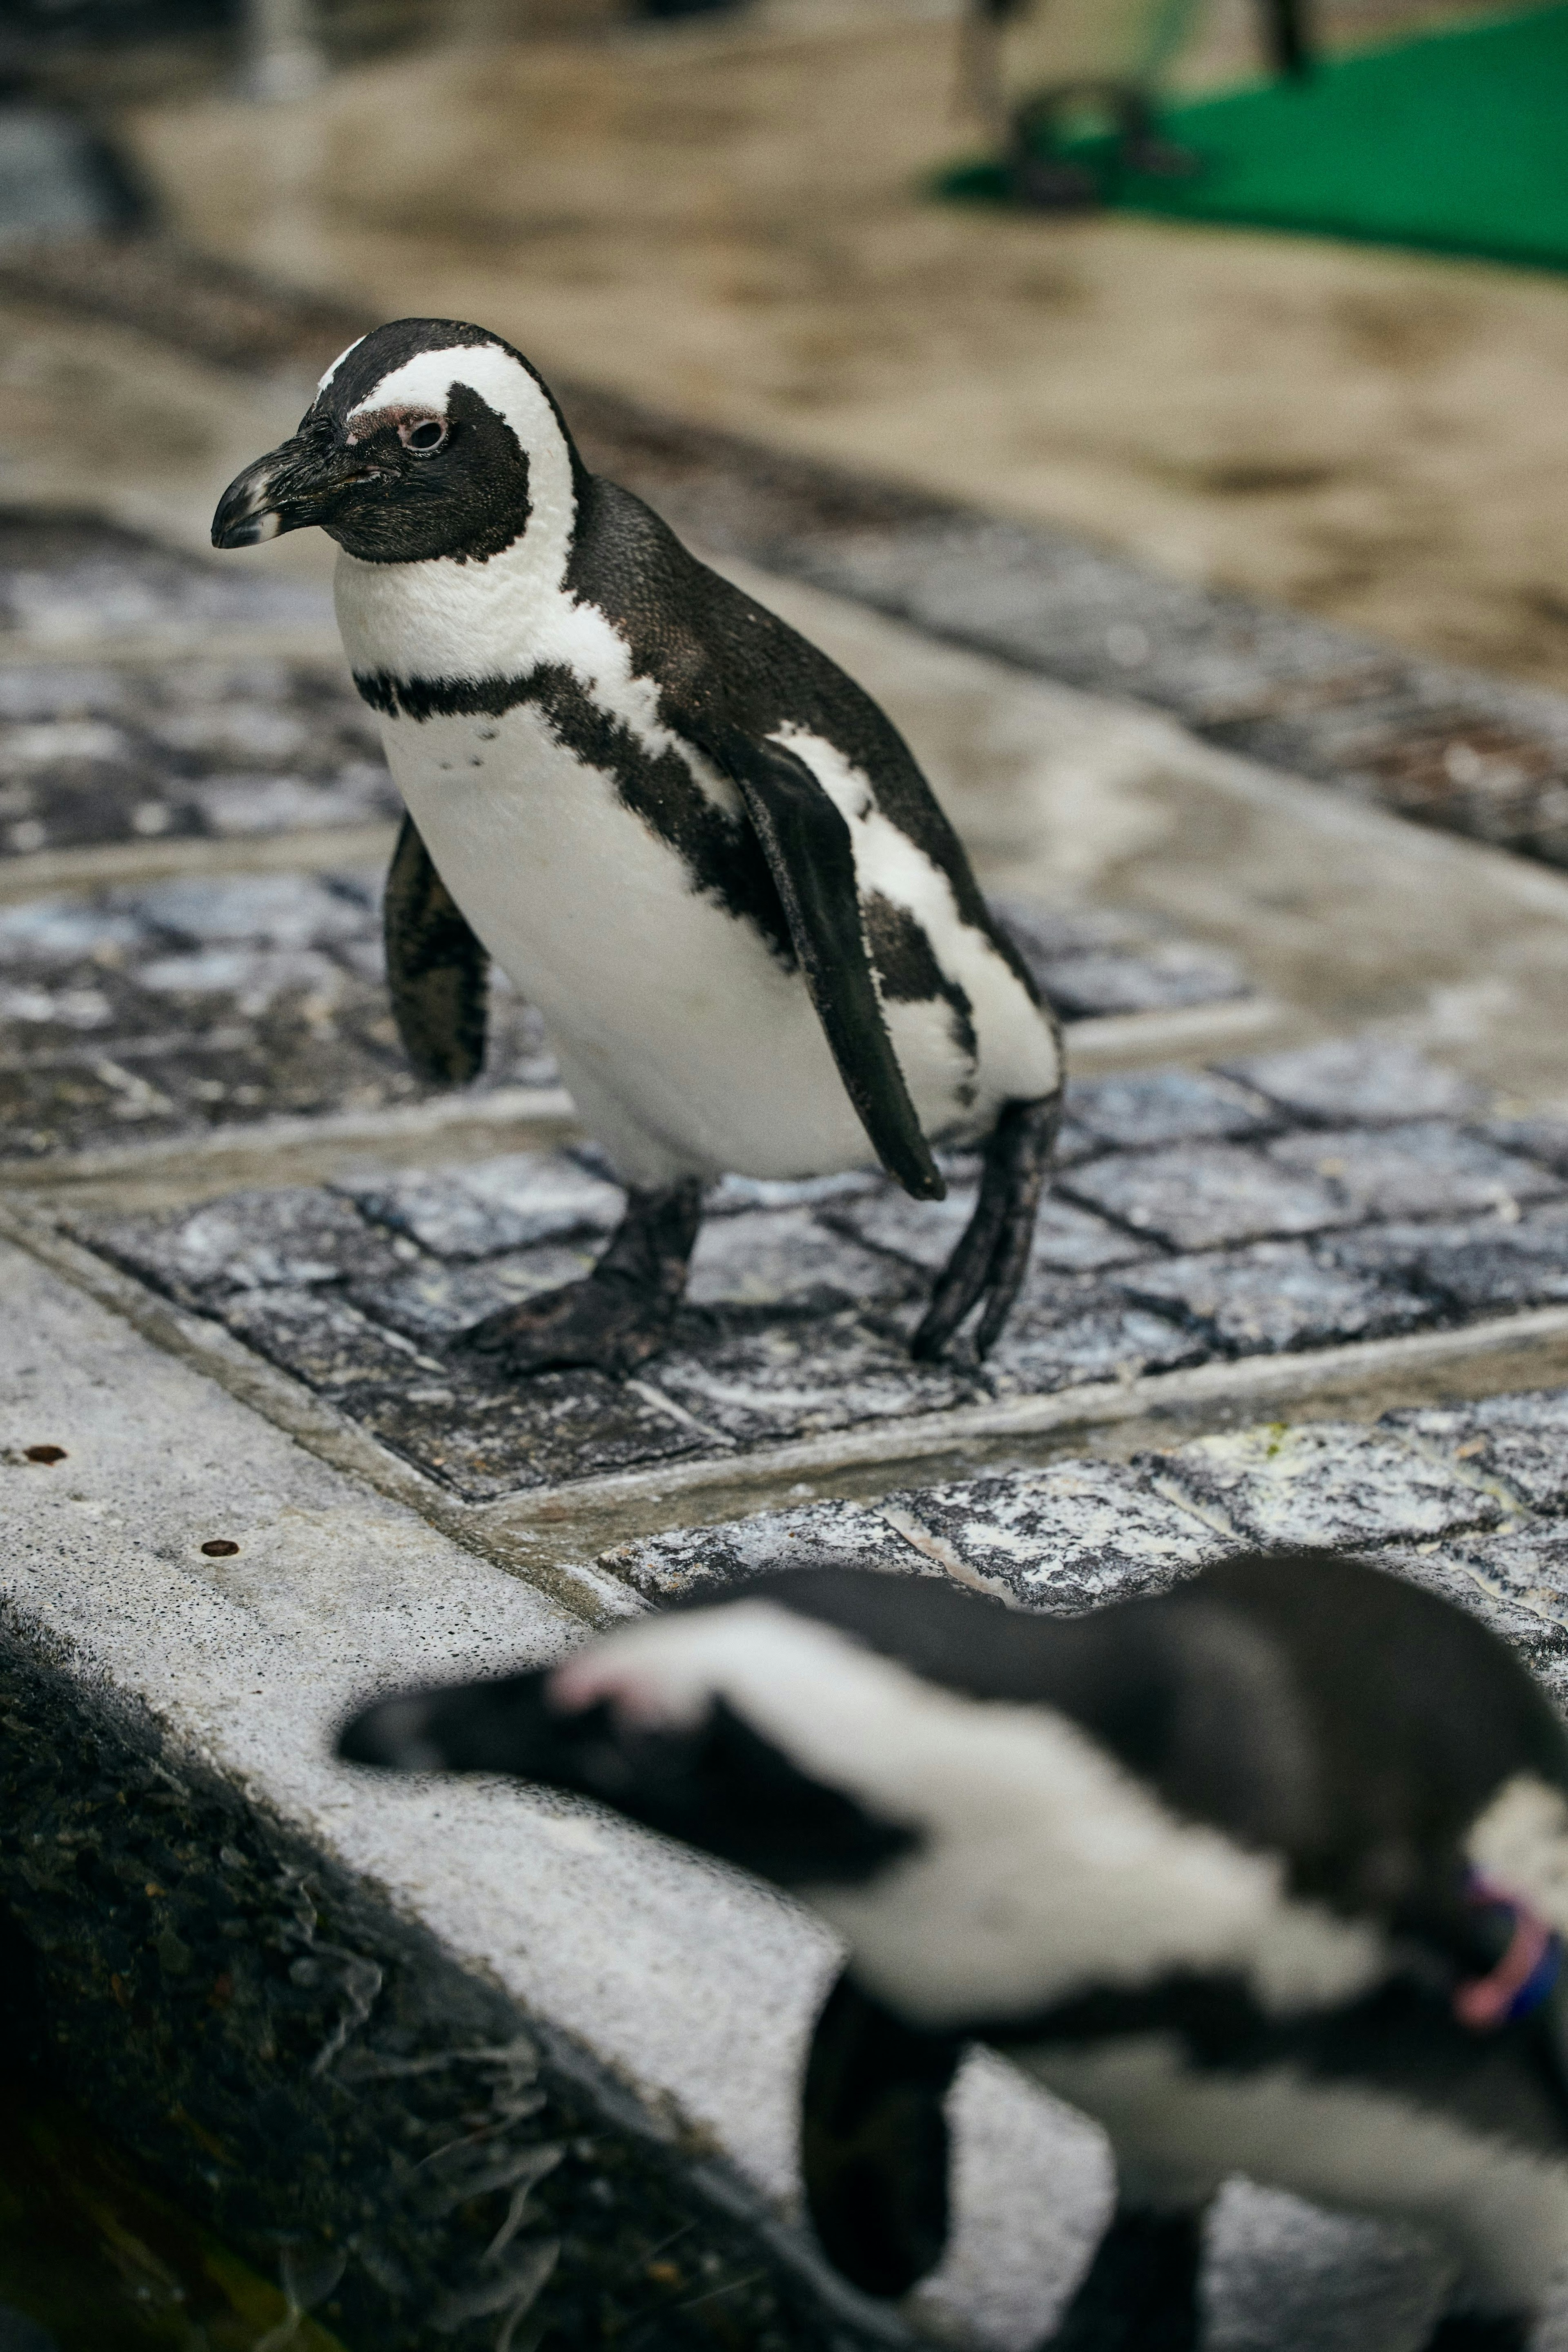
(727, 218)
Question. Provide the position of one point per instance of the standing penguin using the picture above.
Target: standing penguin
(693, 844)
(1260, 1874)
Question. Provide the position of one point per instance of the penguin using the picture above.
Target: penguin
(701, 851)
(1267, 1874)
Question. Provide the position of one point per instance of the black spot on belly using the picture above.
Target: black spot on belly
(906, 965)
(720, 853)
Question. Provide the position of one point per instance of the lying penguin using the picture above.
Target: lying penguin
(1257, 1874)
(698, 848)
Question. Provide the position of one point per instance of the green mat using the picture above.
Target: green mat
(1458, 142)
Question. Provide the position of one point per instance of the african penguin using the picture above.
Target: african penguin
(702, 852)
(1264, 1873)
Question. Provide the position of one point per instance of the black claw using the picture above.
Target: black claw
(992, 1257)
(615, 1318)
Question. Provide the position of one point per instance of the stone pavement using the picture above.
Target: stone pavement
(1301, 1279)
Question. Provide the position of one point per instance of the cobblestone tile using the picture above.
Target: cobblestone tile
(1065, 1538)
(289, 1236)
(1064, 1333)
(1067, 1239)
(1545, 1139)
(1202, 1196)
(1357, 1078)
(1102, 959)
(1161, 979)
(189, 1004)
(1155, 1106)
(89, 754)
(429, 1300)
(67, 578)
(793, 1378)
(1425, 1168)
(1521, 1440)
(733, 1193)
(1273, 1296)
(1486, 1267)
(787, 1257)
(1323, 1483)
(666, 1568)
(482, 1441)
(505, 1203)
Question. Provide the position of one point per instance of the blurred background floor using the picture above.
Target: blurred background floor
(726, 216)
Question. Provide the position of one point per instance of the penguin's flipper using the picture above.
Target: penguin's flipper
(808, 850)
(875, 2141)
(436, 969)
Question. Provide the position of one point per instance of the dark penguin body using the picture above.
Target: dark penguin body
(1225, 1869)
(699, 848)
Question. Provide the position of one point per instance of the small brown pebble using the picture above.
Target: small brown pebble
(663, 2274)
(220, 1547)
(43, 1452)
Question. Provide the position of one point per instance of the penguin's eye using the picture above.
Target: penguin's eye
(426, 439)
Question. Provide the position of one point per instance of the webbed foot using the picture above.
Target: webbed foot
(992, 1257)
(616, 1317)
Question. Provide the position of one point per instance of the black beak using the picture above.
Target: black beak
(504, 1725)
(302, 482)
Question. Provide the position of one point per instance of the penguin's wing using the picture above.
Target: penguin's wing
(808, 850)
(436, 969)
(875, 2141)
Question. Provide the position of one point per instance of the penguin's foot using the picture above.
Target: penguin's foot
(991, 1259)
(617, 1316)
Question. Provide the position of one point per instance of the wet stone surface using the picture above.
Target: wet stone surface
(1326, 1483)
(1064, 1538)
(91, 753)
(1092, 961)
(66, 580)
(814, 1535)
(1368, 1081)
(804, 1295)
(1521, 1441)
(152, 1010)
(1428, 1168)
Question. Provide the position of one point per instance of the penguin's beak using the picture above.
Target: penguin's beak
(505, 1726)
(303, 481)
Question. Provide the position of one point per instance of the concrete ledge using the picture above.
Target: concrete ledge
(364, 2017)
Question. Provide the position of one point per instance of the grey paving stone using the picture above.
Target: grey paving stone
(82, 577)
(666, 1568)
(1173, 1105)
(1323, 1483)
(1045, 933)
(1526, 1567)
(796, 1378)
(1064, 1333)
(923, 1232)
(788, 1258)
(1545, 1139)
(506, 1203)
(1203, 1195)
(1067, 1239)
(1068, 1538)
(1273, 1296)
(1428, 1168)
(430, 1299)
(1365, 1079)
(484, 1440)
(733, 1193)
(204, 1003)
(90, 755)
(1488, 1265)
(1158, 979)
(287, 1236)
(1521, 1440)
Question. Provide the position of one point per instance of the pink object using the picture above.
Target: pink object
(1484, 2003)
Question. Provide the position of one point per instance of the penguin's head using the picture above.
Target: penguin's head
(745, 1729)
(427, 439)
